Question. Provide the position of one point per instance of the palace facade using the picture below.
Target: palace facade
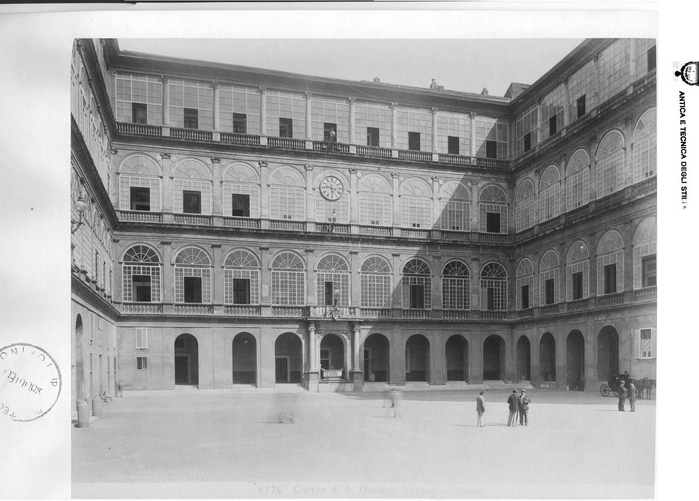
(238, 226)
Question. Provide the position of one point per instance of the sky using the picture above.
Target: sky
(466, 65)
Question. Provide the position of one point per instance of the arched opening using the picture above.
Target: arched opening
(244, 359)
(493, 358)
(376, 358)
(456, 351)
(186, 360)
(547, 357)
(332, 357)
(288, 358)
(575, 361)
(523, 359)
(417, 358)
(607, 353)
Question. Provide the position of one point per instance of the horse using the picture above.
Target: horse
(645, 387)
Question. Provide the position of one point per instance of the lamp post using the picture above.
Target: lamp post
(80, 205)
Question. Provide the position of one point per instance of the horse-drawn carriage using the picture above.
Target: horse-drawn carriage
(643, 386)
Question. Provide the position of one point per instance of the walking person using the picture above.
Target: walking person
(480, 409)
(621, 392)
(514, 408)
(632, 393)
(524, 402)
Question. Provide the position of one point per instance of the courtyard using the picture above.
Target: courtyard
(223, 443)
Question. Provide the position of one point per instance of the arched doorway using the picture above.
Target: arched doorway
(493, 358)
(417, 358)
(244, 359)
(376, 358)
(607, 353)
(186, 360)
(332, 356)
(288, 358)
(456, 351)
(575, 361)
(523, 359)
(547, 357)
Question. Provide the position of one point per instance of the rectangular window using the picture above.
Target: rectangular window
(525, 297)
(414, 141)
(577, 285)
(329, 293)
(142, 288)
(528, 141)
(241, 205)
(141, 339)
(191, 202)
(581, 106)
(325, 358)
(646, 344)
(649, 271)
(491, 149)
(372, 136)
(453, 145)
(327, 128)
(139, 113)
(417, 296)
(286, 127)
(140, 198)
(491, 299)
(192, 289)
(142, 363)
(552, 125)
(550, 288)
(241, 291)
(240, 123)
(610, 278)
(191, 118)
(493, 222)
(651, 59)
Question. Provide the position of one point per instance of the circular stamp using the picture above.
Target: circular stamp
(30, 382)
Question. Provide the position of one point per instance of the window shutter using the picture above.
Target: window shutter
(620, 272)
(637, 275)
(654, 342)
(637, 337)
(569, 283)
(141, 338)
(556, 286)
(601, 261)
(586, 279)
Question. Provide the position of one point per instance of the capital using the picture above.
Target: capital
(473, 115)
(165, 156)
(215, 160)
(215, 84)
(165, 79)
(312, 328)
(353, 171)
(263, 90)
(112, 72)
(434, 110)
(394, 106)
(395, 175)
(308, 95)
(114, 151)
(308, 167)
(263, 163)
(352, 100)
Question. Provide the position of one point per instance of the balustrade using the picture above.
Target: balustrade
(195, 134)
(456, 314)
(493, 315)
(375, 230)
(418, 156)
(415, 313)
(194, 309)
(332, 228)
(375, 312)
(610, 300)
(276, 224)
(445, 158)
(140, 216)
(550, 309)
(578, 305)
(246, 310)
(241, 222)
(374, 151)
(408, 233)
(646, 294)
(141, 308)
(240, 139)
(528, 313)
(140, 129)
(192, 219)
(288, 311)
(285, 142)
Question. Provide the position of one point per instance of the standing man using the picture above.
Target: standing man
(514, 407)
(633, 392)
(524, 409)
(622, 395)
(480, 409)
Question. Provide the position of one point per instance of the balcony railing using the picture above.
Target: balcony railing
(330, 147)
(137, 216)
(456, 314)
(194, 309)
(418, 156)
(492, 238)
(285, 142)
(459, 236)
(646, 294)
(375, 312)
(141, 308)
(491, 163)
(241, 222)
(140, 129)
(192, 219)
(242, 310)
(277, 224)
(578, 305)
(374, 151)
(194, 134)
(240, 139)
(288, 311)
(382, 231)
(608, 300)
(332, 228)
(415, 313)
(528, 313)
(445, 158)
(493, 315)
(332, 312)
(550, 309)
(409, 233)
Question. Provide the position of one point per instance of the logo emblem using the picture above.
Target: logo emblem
(688, 73)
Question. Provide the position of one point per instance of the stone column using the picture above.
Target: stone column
(592, 267)
(217, 119)
(437, 305)
(313, 359)
(561, 363)
(396, 204)
(632, 60)
(397, 292)
(310, 199)
(436, 207)
(265, 278)
(475, 212)
(595, 83)
(473, 135)
(593, 168)
(354, 199)
(434, 130)
(357, 359)
(217, 284)
(263, 111)
(166, 100)
(475, 270)
(167, 189)
(217, 188)
(352, 118)
(394, 125)
(437, 361)
(264, 193)
(168, 280)
(566, 107)
(310, 277)
(563, 273)
(309, 123)
(355, 279)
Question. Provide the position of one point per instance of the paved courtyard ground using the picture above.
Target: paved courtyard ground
(223, 444)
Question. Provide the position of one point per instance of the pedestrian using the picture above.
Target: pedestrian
(524, 408)
(480, 409)
(621, 392)
(332, 138)
(514, 408)
(632, 393)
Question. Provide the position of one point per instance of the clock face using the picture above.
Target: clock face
(331, 188)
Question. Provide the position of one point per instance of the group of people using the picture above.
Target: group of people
(625, 392)
(518, 404)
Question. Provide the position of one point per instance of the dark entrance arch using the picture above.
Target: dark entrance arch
(523, 359)
(456, 351)
(493, 358)
(417, 358)
(332, 354)
(288, 354)
(186, 360)
(607, 353)
(244, 348)
(376, 358)
(547, 357)
(575, 361)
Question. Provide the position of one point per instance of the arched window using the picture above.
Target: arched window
(288, 194)
(455, 207)
(192, 276)
(610, 164)
(141, 272)
(333, 281)
(140, 184)
(549, 194)
(241, 278)
(288, 280)
(417, 285)
(577, 271)
(525, 284)
(456, 286)
(192, 188)
(548, 278)
(493, 210)
(493, 287)
(644, 254)
(241, 191)
(645, 146)
(375, 201)
(610, 263)
(376, 283)
(578, 180)
(416, 204)
(332, 198)
(525, 205)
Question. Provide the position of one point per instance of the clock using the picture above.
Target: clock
(331, 188)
